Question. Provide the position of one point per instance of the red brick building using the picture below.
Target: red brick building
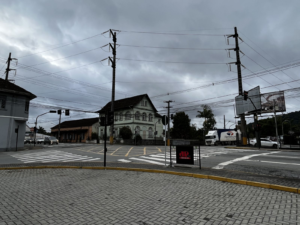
(76, 130)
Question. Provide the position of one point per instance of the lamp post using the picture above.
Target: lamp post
(35, 128)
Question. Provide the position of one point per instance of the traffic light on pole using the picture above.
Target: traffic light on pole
(59, 111)
(67, 112)
(245, 95)
(110, 118)
(102, 121)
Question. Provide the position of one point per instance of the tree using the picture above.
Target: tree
(41, 130)
(209, 117)
(181, 126)
(125, 133)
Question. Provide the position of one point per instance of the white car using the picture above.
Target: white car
(40, 141)
(264, 143)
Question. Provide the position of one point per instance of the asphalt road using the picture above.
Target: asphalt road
(266, 162)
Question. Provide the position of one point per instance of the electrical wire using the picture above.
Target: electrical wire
(204, 49)
(61, 46)
(161, 33)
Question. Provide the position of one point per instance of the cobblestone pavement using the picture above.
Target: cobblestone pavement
(68, 196)
(290, 182)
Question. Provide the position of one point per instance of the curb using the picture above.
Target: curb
(201, 176)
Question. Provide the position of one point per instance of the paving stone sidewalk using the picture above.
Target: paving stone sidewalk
(290, 182)
(75, 196)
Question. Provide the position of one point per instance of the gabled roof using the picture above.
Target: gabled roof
(125, 103)
(77, 123)
(8, 87)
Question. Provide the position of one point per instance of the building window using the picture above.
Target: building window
(137, 129)
(127, 116)
(150, 132)
(144, 117)
(150, 117)
(26, 106)
(2, 101)
(120, 116)
(145, 103)
(142, 103)
(137, 115)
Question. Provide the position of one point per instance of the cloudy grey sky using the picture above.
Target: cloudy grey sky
(57, 44)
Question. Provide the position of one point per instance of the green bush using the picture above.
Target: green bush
(94, 136)
(125, 133)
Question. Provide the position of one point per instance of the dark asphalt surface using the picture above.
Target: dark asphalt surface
(268, 166)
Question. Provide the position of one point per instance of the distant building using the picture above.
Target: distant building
(14, 110)
(137, 113)
(76, 130)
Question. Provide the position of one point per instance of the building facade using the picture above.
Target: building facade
(76, 130)
(14, 110)
(137, 113)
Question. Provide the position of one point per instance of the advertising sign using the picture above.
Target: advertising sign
(185, 155)
(245, 106)
(267, 102)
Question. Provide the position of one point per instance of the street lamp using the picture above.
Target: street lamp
(35, 128)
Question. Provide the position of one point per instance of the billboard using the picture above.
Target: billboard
(268, 99)
(243, 106)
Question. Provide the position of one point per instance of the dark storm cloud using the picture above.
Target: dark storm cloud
(270, 27)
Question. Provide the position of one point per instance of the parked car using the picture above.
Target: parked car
(28, 141)
(40, 141)
(50, 141)
(264, 143)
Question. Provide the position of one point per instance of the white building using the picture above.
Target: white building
(137, 113)
(14, 110)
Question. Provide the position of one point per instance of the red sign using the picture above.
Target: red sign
(184, 155)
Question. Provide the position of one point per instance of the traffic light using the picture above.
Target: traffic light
(34, 129)
(16, 130)
(257, 127)
(172, 117)
(102, 121)
(245, 95)
(110, 118)
(67, 112)
(59, 111)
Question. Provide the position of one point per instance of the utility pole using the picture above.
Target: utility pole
(8, 67)
(59, 127)
(168, 107)
(224, 123)
(240, 84)
(113, 65)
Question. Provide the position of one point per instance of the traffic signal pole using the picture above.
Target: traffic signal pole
(168, 120)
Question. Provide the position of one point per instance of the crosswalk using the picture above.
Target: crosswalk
(159, 159)
(51, 156)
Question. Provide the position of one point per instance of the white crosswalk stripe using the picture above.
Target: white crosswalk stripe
(51, 156)
(159, 159)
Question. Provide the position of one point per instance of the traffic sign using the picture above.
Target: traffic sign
(165, 120)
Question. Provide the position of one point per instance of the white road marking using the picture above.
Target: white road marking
(158, 159)
(51, 156)
(124, 160)
(221, 165)
(149, 161)
(288, 157)
(296, 164)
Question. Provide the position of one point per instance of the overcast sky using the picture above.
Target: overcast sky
(57, 44)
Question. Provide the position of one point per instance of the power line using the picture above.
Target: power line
(204, 49)
(61, 46)
(162, 33)
(139, 60)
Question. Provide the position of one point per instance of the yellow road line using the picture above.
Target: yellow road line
(115, 151)
(145, 151)
(158, 149)
(92, 149)
(128, 152)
